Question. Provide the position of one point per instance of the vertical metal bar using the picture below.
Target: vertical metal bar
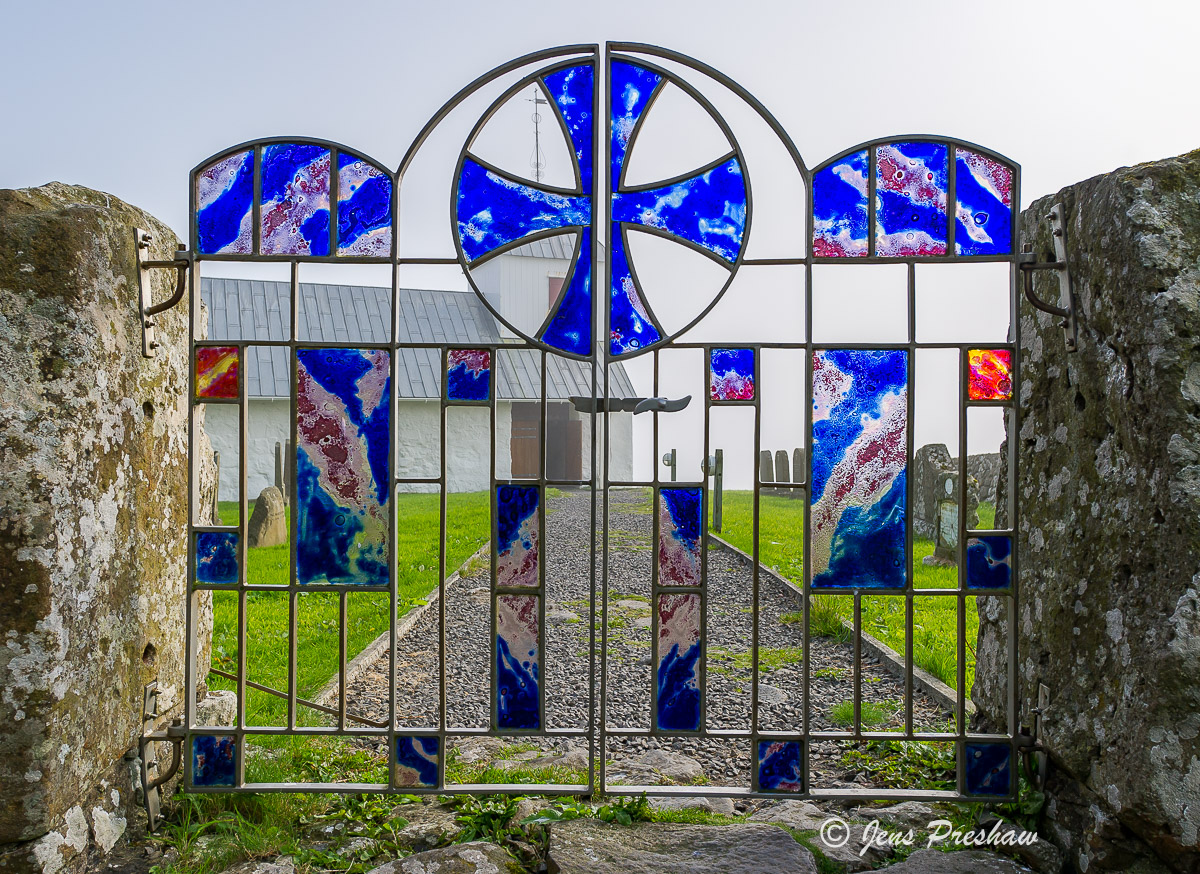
(806, 570)
(594, 751)
(342, 625)
(910, 489)
(334, 185)
(706, 378)
(294, 509)
(243, 530)
(256, 203)
(493, 533)
(393, 516)
(857, 663)
(960, 549)
(754, 579)
(601, 353)
(443, 488)
(544, 549)
(1013, 492)
(872, 219)
(951, 198)
(190, 668)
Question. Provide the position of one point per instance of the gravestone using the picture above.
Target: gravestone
(931, 465)
(93, 519)
(766, 474)
(797, 465)
(268, 522)
(782, 474)
(1109, 529)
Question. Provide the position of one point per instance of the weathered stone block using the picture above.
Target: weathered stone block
(1109, 530)
(93, 518)
(268, 522)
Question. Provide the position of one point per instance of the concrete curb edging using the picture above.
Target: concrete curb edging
(328, 695)
(892, 661)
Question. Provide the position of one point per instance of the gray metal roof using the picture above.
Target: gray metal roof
(252, 309)
(558, 246)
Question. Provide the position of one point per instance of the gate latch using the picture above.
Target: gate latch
(1030, 745)
(628, 405)
(1029, 262)
(147, 310)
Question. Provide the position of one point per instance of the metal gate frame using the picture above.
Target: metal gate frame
(227, 744)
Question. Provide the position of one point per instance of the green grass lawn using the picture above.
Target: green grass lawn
(935, 618)
(317, 619)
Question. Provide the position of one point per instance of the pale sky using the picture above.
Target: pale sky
(128, 97)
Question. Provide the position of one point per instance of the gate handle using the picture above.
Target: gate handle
(584, 404)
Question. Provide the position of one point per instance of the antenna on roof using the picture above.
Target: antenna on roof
(537, 160)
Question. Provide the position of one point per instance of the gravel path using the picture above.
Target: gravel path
(565, 660)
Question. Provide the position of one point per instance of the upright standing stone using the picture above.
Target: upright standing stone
(766, 473)
(268, 522)
(782, 474)
(93, 519)
(797, 465)
(1109, 525)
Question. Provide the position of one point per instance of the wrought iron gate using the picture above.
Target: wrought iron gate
(907, 200)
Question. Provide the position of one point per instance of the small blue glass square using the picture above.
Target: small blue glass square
(780, 767)
(214, 760)
(417, 761)
(988, 769)
(217, 557)
(989, 562)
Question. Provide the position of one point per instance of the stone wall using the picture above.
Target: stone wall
(93, 519)
(1109, 484)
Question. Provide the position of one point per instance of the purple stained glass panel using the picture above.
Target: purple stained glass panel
(679, 541)
(518, 532)
(989, 562)
(518, 702)
(294, 215)
(364, 208)
(840, 208)
(225, 206)
(342, 466)
(983, 190)
(780, 767)
(216, 557)
(468, 375)
(417, 761)
(678, 673)
(859, 463)
(214, 760)
(731, 375)
(911, 183)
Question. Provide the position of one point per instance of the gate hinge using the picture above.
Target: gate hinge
(1029, 262)
(1029, 744)
(175, 734)
(147, 310)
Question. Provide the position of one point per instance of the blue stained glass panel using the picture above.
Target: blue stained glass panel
(731, 374)
(911, 183)
(631, 88)
(364, 212)
(983, 189)
(342, 465)
(570, 329)
(518, 702)
(294, 215)
(679, 550)
(708, 209)
(573, 93)
(987, 769)
(630, 325)
(517, 535)
(214, 760)
(225, 206)
(989, 562)
(493, 210)
(779, 766)
(468, 374)
(859, 463)
(417, 761)
(679, 688)
(216, 557)
(840, 208)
